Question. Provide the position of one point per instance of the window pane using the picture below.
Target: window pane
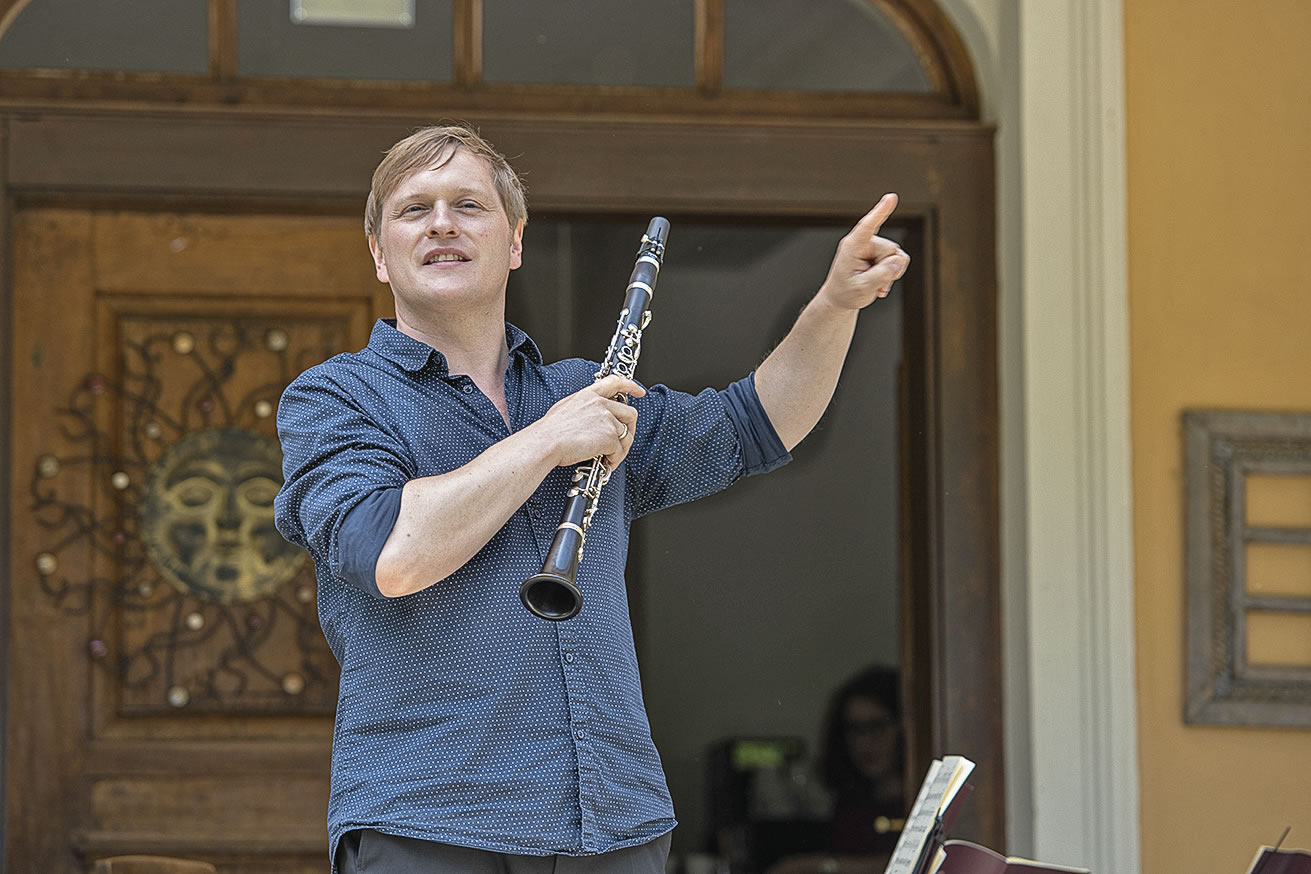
(1278, 501)
(1278, 569)
(589, 42)
(1279, 638)
(825, 45)
(143, 36)
(270, 44)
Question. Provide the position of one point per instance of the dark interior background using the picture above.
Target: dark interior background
(751, 606)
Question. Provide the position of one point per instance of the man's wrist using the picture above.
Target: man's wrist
(829, 303)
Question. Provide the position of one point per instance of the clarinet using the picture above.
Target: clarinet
(553, 594)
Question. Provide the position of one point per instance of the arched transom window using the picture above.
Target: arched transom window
(792, 57)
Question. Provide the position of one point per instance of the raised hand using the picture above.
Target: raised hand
(866, 264)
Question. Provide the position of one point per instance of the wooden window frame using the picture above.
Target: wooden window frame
(941, 52)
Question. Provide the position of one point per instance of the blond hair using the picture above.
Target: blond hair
(433, 146)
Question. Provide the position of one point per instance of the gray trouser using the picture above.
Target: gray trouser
(365, 851)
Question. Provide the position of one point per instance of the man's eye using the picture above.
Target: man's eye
(412, 208)
(469, 204)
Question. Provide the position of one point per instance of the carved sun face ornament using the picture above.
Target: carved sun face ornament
(207, 517)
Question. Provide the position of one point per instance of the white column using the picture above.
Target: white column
(1078, 536)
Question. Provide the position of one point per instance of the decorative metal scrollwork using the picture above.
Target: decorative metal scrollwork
(166, 494)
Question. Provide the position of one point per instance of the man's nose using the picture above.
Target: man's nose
(443, 222)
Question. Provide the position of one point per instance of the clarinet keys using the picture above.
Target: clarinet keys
(554, 594)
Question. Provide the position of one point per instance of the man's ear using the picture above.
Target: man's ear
(516, 247)
(379, 262)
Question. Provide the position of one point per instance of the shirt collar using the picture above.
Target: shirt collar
(517, 341)
(413, 355)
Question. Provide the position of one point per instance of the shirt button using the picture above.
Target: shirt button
(579, 734)
(569, 657)
(468, 389)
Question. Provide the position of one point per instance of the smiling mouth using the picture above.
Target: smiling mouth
(445, 259)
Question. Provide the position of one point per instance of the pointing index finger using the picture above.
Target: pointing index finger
(874, 219)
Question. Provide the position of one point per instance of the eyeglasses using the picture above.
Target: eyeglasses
(867, 727)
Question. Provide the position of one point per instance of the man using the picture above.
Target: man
(426, 474)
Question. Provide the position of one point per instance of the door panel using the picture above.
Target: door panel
(169, 686)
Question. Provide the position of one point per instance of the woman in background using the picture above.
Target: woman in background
(863, 766)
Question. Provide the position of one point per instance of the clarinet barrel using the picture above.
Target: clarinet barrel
(554, 594)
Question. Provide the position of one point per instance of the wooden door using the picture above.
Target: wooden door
(583, 164)
(169, 688)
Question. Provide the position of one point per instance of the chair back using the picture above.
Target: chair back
(152, 865)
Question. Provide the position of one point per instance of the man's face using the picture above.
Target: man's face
(445, 239)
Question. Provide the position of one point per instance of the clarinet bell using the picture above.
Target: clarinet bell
(551, 596)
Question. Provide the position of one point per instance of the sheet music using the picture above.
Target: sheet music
(958, 769)
(943, 781)
(948, 780)
(918, 825)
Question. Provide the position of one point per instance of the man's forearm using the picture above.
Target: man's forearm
(796, 381)
(445, 519)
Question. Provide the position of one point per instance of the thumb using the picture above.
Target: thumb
(614, 384)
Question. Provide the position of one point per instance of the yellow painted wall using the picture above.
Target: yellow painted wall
(1219, 173)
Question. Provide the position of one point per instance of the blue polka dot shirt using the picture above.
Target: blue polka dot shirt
(462, 718)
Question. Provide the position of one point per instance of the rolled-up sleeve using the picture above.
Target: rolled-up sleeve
(342, 478)
(762, 449)
(689, 446)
